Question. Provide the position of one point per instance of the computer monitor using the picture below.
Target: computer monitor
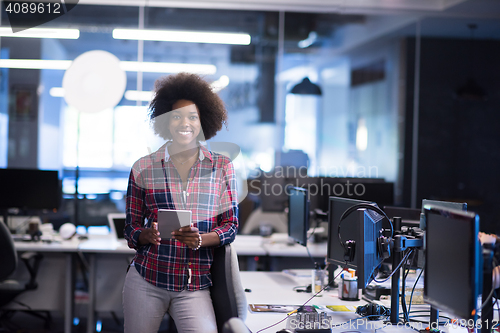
(30, 189)
(349, 230)
(366, 189)
(368, 257)
(446, 204)
(271, 188)
(116, 223)
(298, 214)
(453, 261)
(410, 217)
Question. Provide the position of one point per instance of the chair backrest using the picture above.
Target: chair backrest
(8, 255)
(116, 223)
(228, 296)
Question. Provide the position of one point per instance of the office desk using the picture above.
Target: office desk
(277, 288)
(248, 247)
(56, 266)
(108, 261)
(284, 255)
(278, 251)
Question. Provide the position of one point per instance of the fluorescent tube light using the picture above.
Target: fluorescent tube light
(42, 33)
(135, 95)
(129, 66)
(220, 84)
(164, 67)
(35, 64)
(183, 36)
(146, 96)
(56, 92)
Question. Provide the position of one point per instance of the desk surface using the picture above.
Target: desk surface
(53, 246)
(245, 245)
(277, 288)
(276, 245)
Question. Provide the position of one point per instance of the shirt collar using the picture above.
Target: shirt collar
(204, 152)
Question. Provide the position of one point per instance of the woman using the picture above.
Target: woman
(174, 275)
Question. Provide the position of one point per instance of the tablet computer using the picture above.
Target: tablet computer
(171, 219)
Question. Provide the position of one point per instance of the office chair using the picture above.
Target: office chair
(228, 296)
(10, 289)
(277, 221)
(235, 325)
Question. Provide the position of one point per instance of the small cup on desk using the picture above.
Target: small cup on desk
(318, 280)
(348, 287)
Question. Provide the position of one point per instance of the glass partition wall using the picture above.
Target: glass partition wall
(365, 72)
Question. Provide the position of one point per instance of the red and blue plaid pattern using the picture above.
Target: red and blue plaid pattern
(154, 183)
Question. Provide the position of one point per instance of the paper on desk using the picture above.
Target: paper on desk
(278, 308)
(341, 308)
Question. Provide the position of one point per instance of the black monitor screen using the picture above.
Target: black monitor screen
(349, 228)
(445, 204)
(452, 261)
(298, 214)
(29, 189)
(119, 227)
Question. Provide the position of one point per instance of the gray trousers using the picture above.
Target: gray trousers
(144, 306)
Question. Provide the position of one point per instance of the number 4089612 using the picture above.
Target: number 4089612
(33, 8)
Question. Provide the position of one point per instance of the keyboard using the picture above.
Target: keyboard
(310, 322)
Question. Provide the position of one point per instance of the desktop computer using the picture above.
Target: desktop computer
(453, 262)
(298, 215)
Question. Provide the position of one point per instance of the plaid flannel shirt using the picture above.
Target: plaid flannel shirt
(154, 183)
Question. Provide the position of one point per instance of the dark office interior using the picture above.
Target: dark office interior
(408, 105)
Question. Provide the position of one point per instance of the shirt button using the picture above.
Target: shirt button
(187, 194)
(189, 263)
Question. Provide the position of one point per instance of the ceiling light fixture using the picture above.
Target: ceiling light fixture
(56, 92)
(42, 33)
(306, 87)
(135, 95)
(183, 36)
(220, 84)
(129, 66)
(35, 64)
(164, 67)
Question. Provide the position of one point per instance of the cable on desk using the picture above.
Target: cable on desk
(413, 289)
(307, 289)
(395, 270)
(300, 307)
(406, 271)
(491, 293)
(310, 256)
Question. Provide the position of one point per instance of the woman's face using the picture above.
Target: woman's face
(184, 123)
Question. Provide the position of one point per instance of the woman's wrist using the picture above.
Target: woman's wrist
(200, 241)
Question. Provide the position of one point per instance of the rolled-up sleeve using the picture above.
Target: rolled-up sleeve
(227, 218)
(135, 208)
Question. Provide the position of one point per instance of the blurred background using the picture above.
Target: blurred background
(401, 92)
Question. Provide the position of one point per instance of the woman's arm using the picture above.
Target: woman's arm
(134, 232)
(227, 217)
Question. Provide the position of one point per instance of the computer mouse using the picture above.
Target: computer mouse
(284, 331)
